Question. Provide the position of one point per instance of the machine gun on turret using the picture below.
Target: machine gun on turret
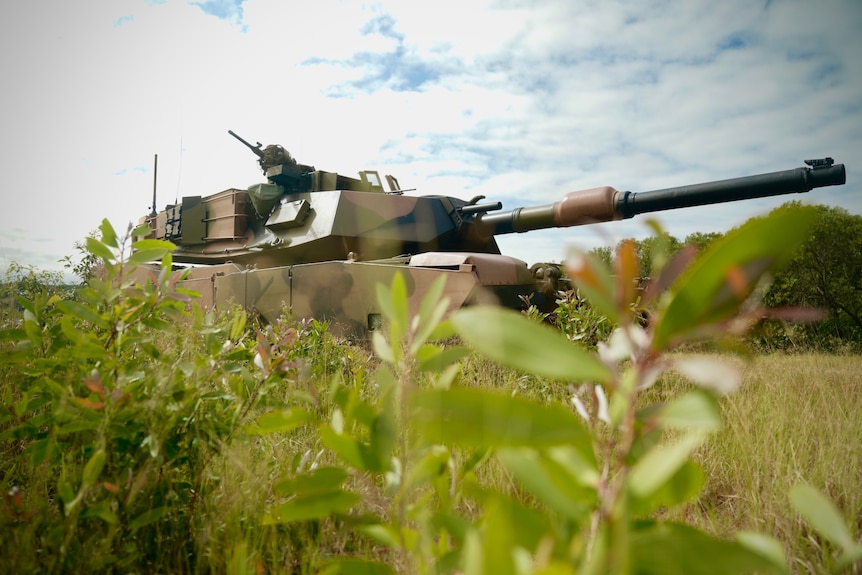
(278, 165)
(272, 156)
(256, 149)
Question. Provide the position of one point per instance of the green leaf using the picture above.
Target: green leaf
(549, 481)
(594, 280)
(384, 434)
(431, 312)
(850, 557)
(473, 418)
(356, 567)
(82, 312)
(693, 410)
(142, 245)
(662, 548)
(312, 506)
(454, 525)
(660, 464)
(100, 250)
(716, 284)
(148, 517)
(237, 326)
(103, 511)
(69, 506)
(393, 536)
(513, 340)
(714, 373)
(434, 358)
(40, 450)
(498, 540)
(393, 304)
(433, 463)
(822, 514)
(93, 468)
(64, 489)
(344, 446)
(448, 377)
(238, 560)
(142, 230)
(527, 526)
(398, 293)
(322, 479)
(384, 300)
(765, 546)
(428, 309)
(32, 329)
(382, 348)
(680, 487)
(139, 257)
(109, 236)
(70, 330)
(158, 323)
(280, 421)
(443, 330)
(427, 325)
(14, 334)
(81, 423)
(471, 556)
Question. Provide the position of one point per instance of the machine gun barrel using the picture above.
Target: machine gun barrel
(605, 203)
(256, 149)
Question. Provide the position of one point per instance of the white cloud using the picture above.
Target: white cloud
(520, 101)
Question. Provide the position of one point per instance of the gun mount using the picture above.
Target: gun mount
(317, 243)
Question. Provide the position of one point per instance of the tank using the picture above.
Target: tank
(317, 243)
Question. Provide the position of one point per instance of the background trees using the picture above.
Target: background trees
(825, 273)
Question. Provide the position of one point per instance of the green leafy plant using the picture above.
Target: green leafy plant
(599, 477)
(590, 475)
(142, 433)
(121, 415)
(87, 264)
(580, 321)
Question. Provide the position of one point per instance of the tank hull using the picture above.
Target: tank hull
(344, 293)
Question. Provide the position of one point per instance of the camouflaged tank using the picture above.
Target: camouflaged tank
(317, 243)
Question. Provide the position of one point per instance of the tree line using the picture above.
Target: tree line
(824, 277)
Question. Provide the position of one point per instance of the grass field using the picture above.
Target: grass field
(795, 419)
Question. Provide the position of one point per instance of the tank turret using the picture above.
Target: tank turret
(317, 242)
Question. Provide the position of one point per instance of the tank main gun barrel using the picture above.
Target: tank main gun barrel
(798, 180)
(605, 203)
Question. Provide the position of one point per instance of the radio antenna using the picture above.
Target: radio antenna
(155, 174)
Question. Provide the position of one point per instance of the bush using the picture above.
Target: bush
(115, 404)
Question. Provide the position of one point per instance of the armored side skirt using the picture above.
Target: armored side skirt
(345, 293)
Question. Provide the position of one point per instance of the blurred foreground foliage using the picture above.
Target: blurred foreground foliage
(141, 434)
(823, 276)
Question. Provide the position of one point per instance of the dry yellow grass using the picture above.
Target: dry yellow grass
(795, 419)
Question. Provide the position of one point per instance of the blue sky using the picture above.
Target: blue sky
(521, 101)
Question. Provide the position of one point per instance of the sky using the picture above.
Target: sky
(520, 101)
